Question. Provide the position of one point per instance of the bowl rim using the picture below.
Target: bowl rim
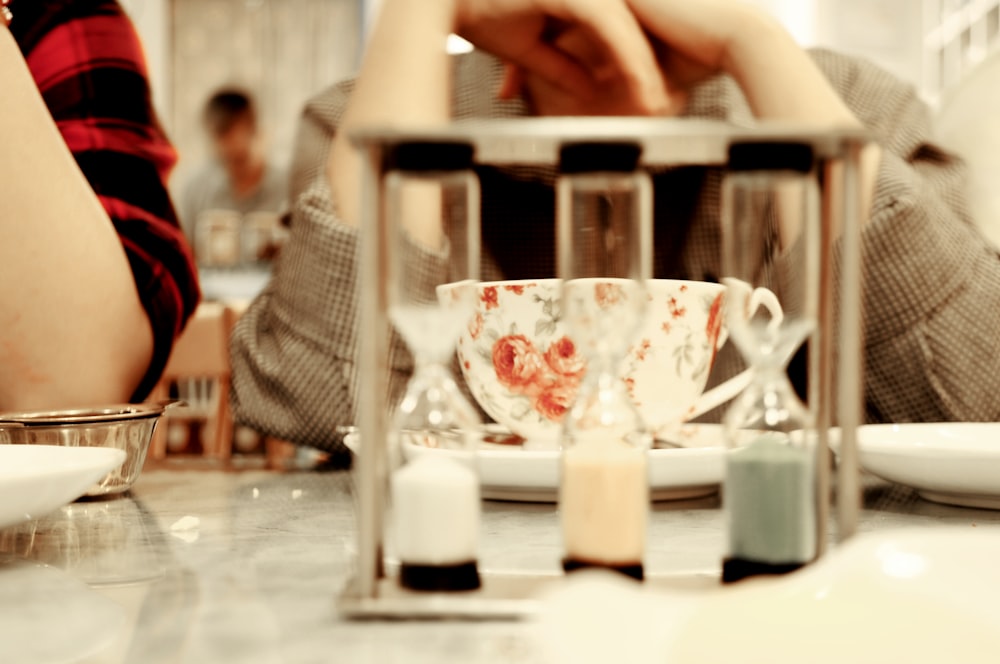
(92, 415)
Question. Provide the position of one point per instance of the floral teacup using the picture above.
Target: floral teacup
(523, 367)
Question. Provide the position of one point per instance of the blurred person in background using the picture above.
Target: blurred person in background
(239, 179)
(96, 278)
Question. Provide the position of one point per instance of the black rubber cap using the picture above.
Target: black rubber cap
(424, 156)
(765, 156)
(463, 576)
(577, 158)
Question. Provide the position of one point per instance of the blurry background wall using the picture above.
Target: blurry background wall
(283, 51)
(286, 50)
(934, 44)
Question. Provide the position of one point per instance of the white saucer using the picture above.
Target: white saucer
(530, 473)
(955, 463)
(38, 479)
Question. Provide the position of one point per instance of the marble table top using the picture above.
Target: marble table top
(213, 565)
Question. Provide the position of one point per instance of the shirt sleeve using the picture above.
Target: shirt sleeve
(932, 280)
(292, 351)
(87, 61)
(313, 136)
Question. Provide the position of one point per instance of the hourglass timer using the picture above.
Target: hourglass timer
(432, 199)
(769, 207)
(604, 239)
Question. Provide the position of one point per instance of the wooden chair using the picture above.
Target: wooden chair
(201, 358)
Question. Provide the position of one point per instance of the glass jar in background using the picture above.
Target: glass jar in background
(258, 239)
(218, 238)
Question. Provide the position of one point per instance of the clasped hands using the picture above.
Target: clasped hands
(608, 57)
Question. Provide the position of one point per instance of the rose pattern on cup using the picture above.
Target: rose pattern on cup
(713, 328)
(608, 295)
(524, 368)
(543, 380)
(692, 358)
(549, 380)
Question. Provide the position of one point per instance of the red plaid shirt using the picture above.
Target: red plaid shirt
(88, 64)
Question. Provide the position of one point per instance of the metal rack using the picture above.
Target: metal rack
(374, 591)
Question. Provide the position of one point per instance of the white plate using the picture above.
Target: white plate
(38, 479)
(913, 595)
(523, 473)
(955, 463)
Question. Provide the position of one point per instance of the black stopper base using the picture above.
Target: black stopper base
(436, 578)
(737, 569)
(634, 571)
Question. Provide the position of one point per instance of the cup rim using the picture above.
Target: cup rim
(549, 280)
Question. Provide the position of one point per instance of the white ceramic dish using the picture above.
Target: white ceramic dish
(127, 427)
(526, 473)
(912, 595)
(38, 479)
(954, 463)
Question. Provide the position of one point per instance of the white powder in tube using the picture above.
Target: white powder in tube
(436, 504)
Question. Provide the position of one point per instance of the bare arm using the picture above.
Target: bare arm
(72, 328)
(404, 79)
(779, 79)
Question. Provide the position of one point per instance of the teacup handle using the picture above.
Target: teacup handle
(721, 393)
(728, 389)
(767, 298)
(738, 290)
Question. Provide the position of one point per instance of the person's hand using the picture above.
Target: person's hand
(523, 34)
(695, 40)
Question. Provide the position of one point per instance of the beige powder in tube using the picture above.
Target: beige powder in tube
(604, 502)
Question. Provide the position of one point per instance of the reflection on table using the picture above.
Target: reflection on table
(206, 565)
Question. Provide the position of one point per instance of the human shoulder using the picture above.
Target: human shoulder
(38, 21)
(477, 77)
(883, 101)
(325, 109)
(843, 68)
(200, 190)
(205, 176)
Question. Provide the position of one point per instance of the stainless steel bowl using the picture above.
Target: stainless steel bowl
(126, 427)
